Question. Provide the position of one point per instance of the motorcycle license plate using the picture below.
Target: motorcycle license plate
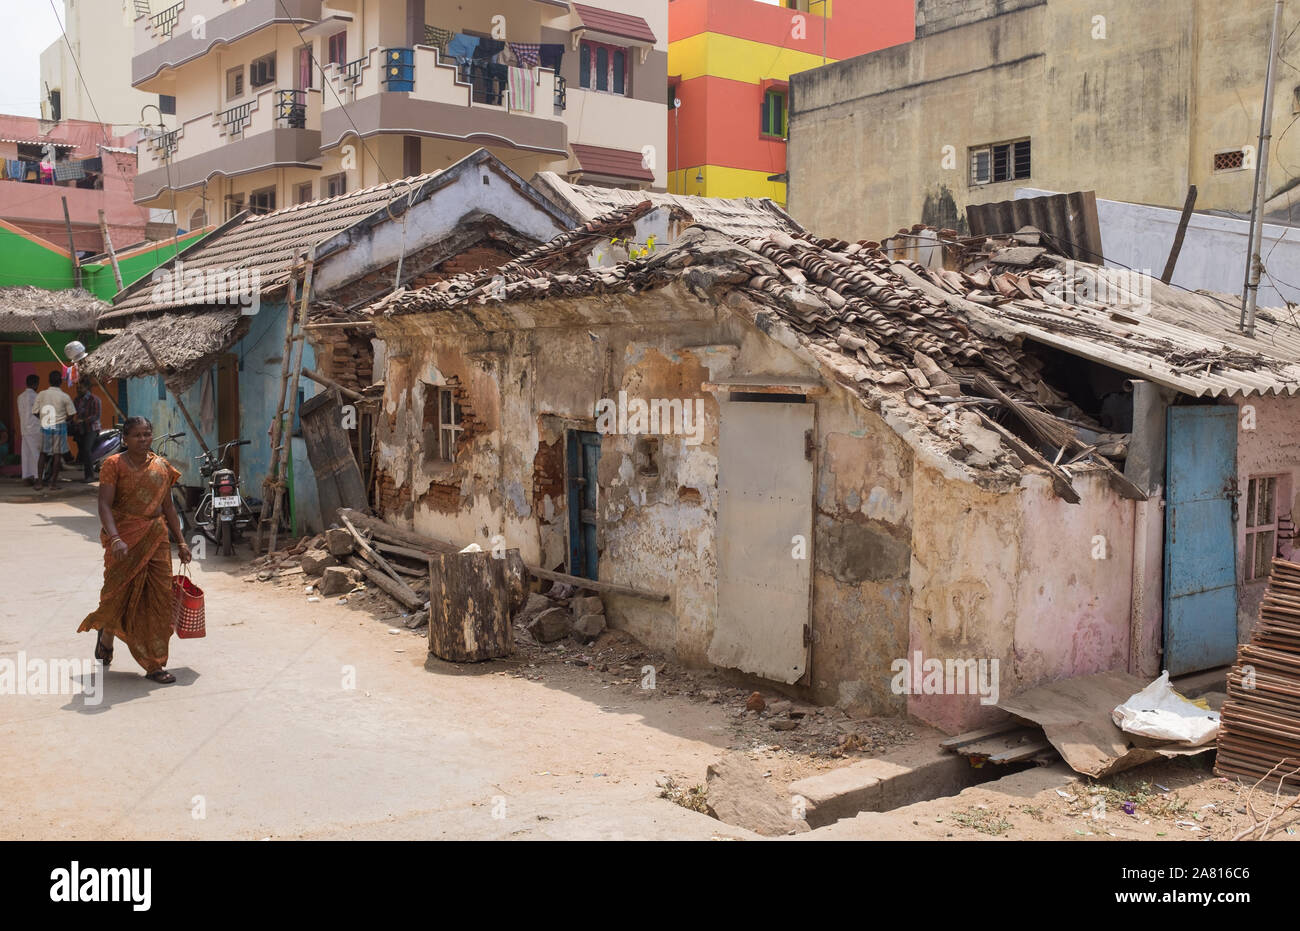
(230, 502)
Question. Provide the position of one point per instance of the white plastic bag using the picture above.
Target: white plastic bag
(1161, 713)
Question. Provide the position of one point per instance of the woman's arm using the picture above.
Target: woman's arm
(174, 524)
(116, 545)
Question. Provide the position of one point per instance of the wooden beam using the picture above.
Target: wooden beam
(331, 383)
(399, 590)
(1059, 479)
(593, 585)
(1178, 237)
(370, 554)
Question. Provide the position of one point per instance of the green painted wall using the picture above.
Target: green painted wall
(26, 260)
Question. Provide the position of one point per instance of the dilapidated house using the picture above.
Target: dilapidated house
(216, 317)
(831, 460)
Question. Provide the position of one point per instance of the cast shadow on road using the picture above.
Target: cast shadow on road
(120, 687)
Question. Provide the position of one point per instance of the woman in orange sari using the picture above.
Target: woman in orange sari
(136, 510)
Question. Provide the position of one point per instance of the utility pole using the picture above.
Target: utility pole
(1256, 265)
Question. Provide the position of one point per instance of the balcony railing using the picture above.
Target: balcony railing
(236, 119)
(352, 70)
(561, 92)
(291, 109)
(165, 21)
(487, 79)
(166, 143)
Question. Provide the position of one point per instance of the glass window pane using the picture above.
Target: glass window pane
(620, 72)
(584, 67)
(602, 69)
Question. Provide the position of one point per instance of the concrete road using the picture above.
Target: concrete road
(262, 737)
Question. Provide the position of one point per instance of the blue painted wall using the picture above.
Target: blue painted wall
(259, 377)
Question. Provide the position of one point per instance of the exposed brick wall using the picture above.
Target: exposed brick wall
(548, 475)
(473, 259)
(393, 501)
(345, 355)
(444, 498)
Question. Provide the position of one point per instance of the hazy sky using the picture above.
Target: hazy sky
(27, 27)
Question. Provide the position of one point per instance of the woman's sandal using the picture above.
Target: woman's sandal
(160, 675)
(102, 653)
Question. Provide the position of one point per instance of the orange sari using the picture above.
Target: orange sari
(135, 604)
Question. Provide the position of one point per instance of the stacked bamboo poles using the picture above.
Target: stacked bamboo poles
(1260, 733)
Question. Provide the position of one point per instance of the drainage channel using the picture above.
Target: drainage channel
(914, 774)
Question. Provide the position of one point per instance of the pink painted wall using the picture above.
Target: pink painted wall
(1013, 576)
(38, 208)
(1272, 448)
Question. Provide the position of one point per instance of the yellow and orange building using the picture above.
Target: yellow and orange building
(729, 66)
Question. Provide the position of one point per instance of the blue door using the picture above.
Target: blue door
(1200, 539)
(581, 459)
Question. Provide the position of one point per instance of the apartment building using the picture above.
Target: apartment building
(285, 101)
(1135, 101)
(97, 84)
(729, 66)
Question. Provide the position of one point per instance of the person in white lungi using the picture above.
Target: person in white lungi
(29, 428)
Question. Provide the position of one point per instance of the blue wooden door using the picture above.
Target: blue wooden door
(1200, 625)
(581, 459)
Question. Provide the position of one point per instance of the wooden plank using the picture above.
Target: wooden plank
(338, 477)
(402, 593)
(469, 610)
(1016, 754)
(592, 585)
(1059, 480)
(961, 740)
(370, 554)
(1177, 248)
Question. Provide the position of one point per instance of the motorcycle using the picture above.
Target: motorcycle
(110, 442)
(222, 514)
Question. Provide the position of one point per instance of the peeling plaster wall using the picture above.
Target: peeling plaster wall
(1013, 577)
(657, 512)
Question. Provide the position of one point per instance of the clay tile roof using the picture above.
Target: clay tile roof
(613, 163)
(268, 243)
(614, 24)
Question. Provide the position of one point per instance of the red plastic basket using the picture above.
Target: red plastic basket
(187, 608)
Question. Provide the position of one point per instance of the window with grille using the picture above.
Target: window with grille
(773, 119)
(261, 72)
(304, 192)
(1230, 161)
(234, 83)
(234, 206)
(262, 201)
(603, 67)
(442, 423)
(1261, 527)
(334, 185)
(1002, 161)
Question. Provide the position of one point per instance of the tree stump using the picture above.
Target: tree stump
(469, 606)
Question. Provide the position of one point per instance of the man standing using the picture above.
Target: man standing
(29, 428)
(88, 414)
(53, 408)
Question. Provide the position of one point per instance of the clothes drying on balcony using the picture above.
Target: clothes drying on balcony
(69, 171)
(462, 46)
(438, 38)
(521, 88)
(527, 54)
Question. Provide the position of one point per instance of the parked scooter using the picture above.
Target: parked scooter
(223, 514)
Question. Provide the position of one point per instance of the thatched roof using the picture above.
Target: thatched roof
(187, 344)
(28, 309)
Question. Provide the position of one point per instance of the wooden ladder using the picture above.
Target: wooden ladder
(273, 486)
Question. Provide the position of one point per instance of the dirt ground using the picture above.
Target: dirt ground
(572, 736)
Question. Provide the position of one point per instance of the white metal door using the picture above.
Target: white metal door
(765, 505)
